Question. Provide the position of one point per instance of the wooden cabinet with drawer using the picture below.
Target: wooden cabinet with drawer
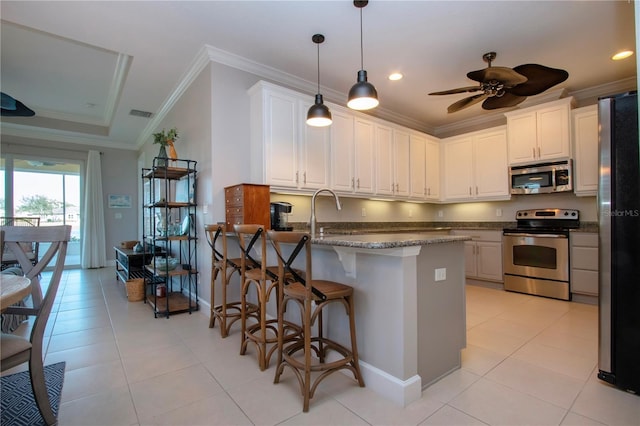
(247, 203)
(584, 263)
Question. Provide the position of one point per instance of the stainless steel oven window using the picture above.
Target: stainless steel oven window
(535, 256)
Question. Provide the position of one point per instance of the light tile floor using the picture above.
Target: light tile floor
(528, 360)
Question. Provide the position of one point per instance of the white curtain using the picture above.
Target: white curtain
(94, 254)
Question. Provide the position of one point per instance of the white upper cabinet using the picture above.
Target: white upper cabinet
(418, 166)
(364, 156)
(392, 161)
(585, 141)
(285, 152)
(424, 167)
(540, 133)
(433, 169)
(475, 166)
(342, 150)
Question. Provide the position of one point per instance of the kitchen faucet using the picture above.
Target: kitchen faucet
(313, 207)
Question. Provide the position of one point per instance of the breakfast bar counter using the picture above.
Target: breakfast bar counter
(409, 302)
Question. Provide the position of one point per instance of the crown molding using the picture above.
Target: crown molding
(17, 130)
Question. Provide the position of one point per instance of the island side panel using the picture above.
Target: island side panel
(441, 311)
(385, 304)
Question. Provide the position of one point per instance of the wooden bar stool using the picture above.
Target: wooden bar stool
(226, 312)
(307, 292)
(264, 333)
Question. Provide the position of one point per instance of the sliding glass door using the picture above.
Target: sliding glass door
(48, 189)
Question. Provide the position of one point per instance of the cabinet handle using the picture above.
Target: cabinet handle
(469, 190)
(476, 190)
(424, 191)
(353, 183)
(304, 177)
(358, 183)
(539, 152)
(297, 179)
(397, 187)
(429, 191)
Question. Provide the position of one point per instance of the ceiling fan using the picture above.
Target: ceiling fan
(503, 87)
(12, 107)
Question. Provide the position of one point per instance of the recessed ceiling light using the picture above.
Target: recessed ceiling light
(395, 76)
(622, 55)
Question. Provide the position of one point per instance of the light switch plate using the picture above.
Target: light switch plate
(441, 274)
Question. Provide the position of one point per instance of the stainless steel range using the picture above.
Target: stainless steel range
(536, 253)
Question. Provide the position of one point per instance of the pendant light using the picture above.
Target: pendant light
(319, 114)
(362, 95)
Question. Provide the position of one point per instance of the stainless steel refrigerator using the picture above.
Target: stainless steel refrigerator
(619, 228)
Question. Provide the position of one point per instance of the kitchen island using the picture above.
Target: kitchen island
(410, 326)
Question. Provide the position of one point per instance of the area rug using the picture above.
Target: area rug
(17, 404)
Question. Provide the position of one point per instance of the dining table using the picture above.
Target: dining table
(13, 288)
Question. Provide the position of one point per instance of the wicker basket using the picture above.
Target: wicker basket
(135, 289)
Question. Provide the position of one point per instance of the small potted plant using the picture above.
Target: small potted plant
(164, 139)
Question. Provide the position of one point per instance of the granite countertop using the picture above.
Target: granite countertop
(386, 240)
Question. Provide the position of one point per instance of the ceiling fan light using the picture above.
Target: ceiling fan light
(319, 114)
(622, 55)
(363, 95)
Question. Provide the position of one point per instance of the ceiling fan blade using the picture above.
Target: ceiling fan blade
(505, 75)
(12, 107)
(540, 78)
(504, 101)
(466, 102)
(458, 90)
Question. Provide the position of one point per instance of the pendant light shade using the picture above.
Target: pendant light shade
(319, 114)
(362, 95)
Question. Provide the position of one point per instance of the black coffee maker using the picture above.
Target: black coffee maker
(279, 218)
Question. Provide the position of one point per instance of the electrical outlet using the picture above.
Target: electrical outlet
(364, 212)
(440, 213)
(205, 208)
(118, 215)
(441, 274)
(499, 212)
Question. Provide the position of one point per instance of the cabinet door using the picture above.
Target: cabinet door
(470, 269)
(364, 161)
(458, 168)
(521, 134)
(417, 166)
(432, 172)
(314, 154)
(342, 152)
(281, 139)
(491, 168)
(585, 134)
(385, 184)
(553, 133)
(489, 260)
(401, 166)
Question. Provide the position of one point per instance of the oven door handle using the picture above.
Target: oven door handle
(515, 234)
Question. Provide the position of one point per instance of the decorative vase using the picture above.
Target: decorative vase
(138, 248)
(173, 155)
(162, 155)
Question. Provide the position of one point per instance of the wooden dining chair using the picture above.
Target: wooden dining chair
(32, 248)
(17, 349)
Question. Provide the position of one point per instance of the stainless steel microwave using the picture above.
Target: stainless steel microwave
(542, 178)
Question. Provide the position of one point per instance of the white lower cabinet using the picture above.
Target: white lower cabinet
(584, 263)
(475, 166)
(483, 254)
